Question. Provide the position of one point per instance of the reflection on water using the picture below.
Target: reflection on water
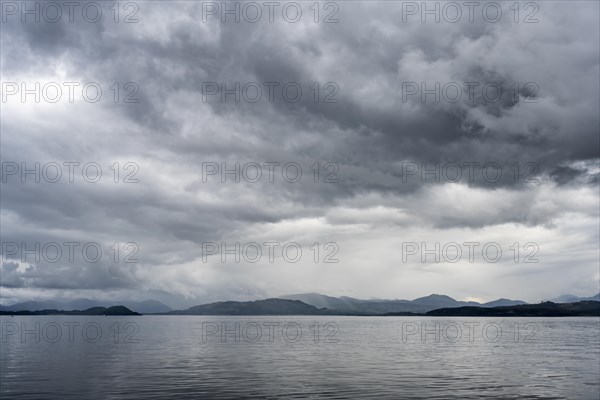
(299, 357)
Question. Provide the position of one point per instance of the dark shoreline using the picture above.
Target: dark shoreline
(94, 311)
(545, 309)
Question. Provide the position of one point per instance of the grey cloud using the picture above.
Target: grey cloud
(371, 133)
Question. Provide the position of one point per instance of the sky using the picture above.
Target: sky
(358, 151)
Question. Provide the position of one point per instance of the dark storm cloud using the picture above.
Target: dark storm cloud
(165, 67)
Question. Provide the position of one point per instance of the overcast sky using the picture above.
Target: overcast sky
(374, 132)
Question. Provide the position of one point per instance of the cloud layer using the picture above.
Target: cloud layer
(393, 166)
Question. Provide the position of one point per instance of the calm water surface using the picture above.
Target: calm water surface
(204, 357)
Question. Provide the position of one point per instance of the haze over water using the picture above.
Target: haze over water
(157, 357)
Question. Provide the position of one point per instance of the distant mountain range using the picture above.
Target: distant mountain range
(569, 298)
(306, 304)
(142, 307)
(297, 307)
(420, 305)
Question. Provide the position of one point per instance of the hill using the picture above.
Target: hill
(258, 307)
